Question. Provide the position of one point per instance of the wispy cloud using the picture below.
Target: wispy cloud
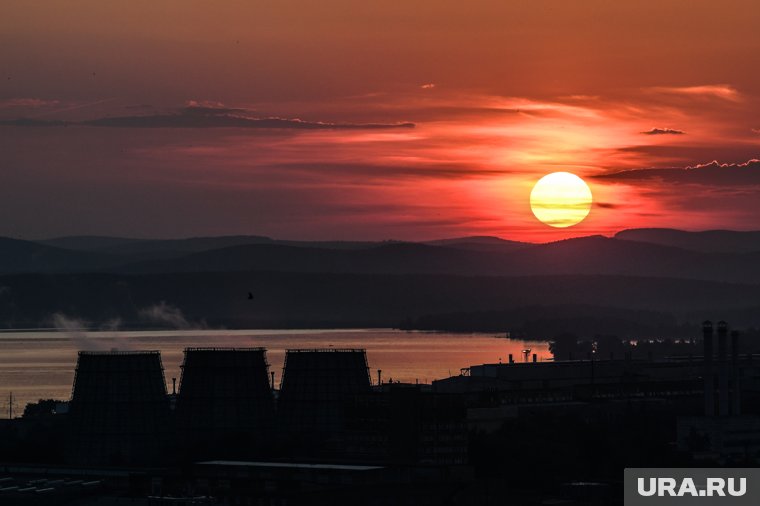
(722, 91)
(753, 163)
(663, 131)
(27, 102)
(713, 174)
(382, 174)
(204, 114)
(207, 104)
(33, 122)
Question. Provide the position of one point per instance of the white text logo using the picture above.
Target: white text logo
(714, 487)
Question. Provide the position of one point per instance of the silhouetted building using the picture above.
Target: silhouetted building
(225, 404)
(723, 433)
(403, 423)
(119, 412)
(333, 438)
(316, 387)
(566, 380)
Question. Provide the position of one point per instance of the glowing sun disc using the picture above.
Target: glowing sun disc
(561, 199)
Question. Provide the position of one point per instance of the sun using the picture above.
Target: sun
(561, 199)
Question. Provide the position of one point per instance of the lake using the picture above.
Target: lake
(40, 364)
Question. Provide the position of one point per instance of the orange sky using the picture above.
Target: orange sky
(500, 93)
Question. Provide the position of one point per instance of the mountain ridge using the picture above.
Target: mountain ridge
(708, 241)
(475, 255)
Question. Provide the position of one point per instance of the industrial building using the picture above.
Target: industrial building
(316, 389)
(119, 410)
(120, 413)
(228, 435)
(723, 431)
(225, 404)
(685, 378)
(408, 424)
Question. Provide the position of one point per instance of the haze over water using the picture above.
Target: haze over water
(40, 364)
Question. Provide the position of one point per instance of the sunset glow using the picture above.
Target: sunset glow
(436, 137)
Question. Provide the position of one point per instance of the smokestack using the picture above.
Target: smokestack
(736, 407)
(174, 386)
(707, 341)
(723, 400)
(379, 376)
(535, 358)
(510, 359)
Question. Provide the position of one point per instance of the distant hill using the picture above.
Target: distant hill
(675, 277)
(468, 256)
(311, 300)
(710, 241)
(143, 247)
(165, 248)
(88, 242)
(26, 256)
(581, 256)
(603, 255)
(481, 243)
(547, 321)
(388, 258)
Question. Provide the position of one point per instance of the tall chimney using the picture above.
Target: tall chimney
(723, 399)
(707, 341)
(736, 408)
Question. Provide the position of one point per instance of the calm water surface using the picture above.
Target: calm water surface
(40, 364)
